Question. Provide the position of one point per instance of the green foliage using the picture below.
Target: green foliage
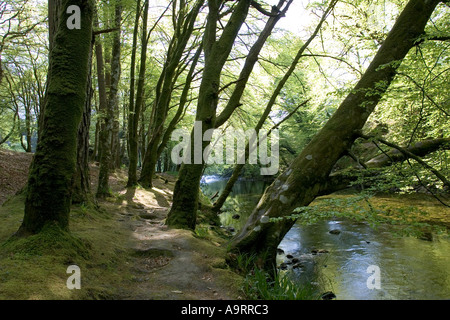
(260, 285)
(201, 232)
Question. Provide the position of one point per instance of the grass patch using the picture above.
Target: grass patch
(201, 232)
(258, 284)
(35, 267)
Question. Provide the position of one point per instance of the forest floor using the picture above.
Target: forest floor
(124, 250)
(169, 264)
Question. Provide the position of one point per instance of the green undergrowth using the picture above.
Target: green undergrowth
(35, 267)
(259, 284)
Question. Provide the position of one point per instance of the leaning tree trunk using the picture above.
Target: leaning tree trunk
(303, 180)
(49, 187)
(420, 148)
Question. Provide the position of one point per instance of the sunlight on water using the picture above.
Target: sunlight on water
(410, 268)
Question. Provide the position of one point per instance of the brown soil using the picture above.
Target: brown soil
(168, 264)
(13, 172)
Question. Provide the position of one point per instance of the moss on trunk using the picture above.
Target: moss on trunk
(50, 179)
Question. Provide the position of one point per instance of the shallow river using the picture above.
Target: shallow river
(354, 261)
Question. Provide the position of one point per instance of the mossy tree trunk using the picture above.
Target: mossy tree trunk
(81, 181)
(308, 174)
(53, 8)
(103, 119)
(114, 88)
(185, 199)
(48, 195)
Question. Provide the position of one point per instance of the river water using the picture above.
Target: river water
(354, 261)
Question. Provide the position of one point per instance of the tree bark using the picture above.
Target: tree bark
(48, 195)
(306, 176)
(180, 111)
(183, 213)
(103, 145)
(81, 192)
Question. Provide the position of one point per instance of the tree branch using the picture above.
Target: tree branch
(408, 154)
(97, 32)
(275, 11)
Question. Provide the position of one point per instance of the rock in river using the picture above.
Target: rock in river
(328, 295)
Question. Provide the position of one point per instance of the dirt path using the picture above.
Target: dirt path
(167, 263)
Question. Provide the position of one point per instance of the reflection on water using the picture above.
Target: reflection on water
(211, 184)
(410, 268)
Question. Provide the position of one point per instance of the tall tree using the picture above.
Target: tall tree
(135, 104)
(184, 208)
(309, 172)
(183, 27)
(48, 195)
(109, 104)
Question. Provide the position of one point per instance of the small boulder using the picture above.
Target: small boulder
(328, 295)
(335, 231)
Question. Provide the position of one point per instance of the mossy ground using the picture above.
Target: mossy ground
(35, 267)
